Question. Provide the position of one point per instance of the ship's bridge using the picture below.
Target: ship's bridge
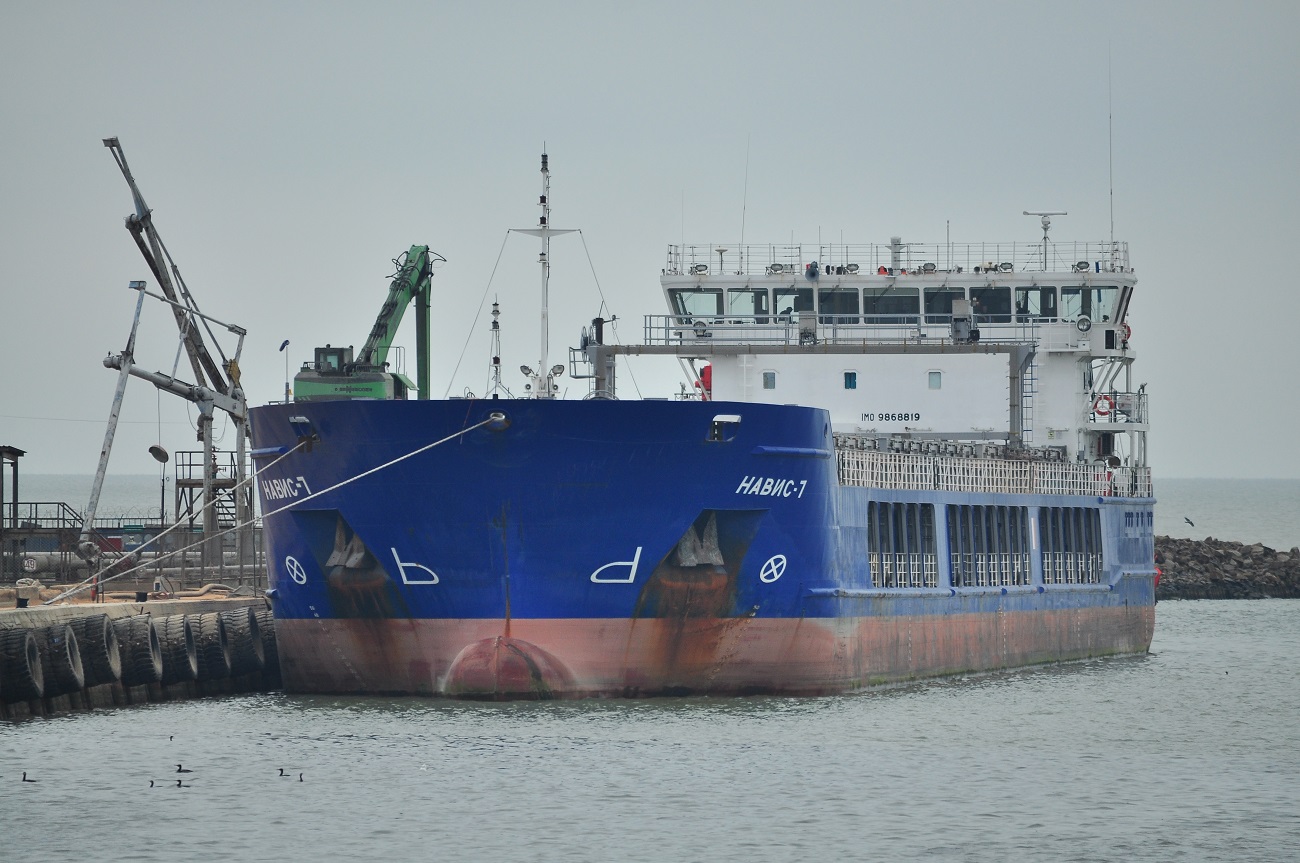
(1023, 343)
(1071, 292)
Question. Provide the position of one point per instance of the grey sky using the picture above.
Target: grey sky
(291, 150)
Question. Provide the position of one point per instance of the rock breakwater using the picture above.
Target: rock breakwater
(1220, 569)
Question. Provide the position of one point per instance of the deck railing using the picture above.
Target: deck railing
(730, 258)
(904, 471)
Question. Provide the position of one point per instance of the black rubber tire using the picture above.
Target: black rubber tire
(101, 659)
(180, 654)
(142, 661)
(20, 665)
(270, 650)
(60, 659)
(246, 652)
(213, 648)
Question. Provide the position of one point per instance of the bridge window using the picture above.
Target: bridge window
(1096, 302)
(749, 303)
(891, 305)
(850, 380)
(696, 302)
(991, 305)
(793, 300)
(838, 305)
(938, 304)
(1036, 302)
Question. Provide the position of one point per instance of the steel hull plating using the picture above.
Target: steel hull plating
(812, 656)
(622, 548)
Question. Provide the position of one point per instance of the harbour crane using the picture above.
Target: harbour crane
(216, 383)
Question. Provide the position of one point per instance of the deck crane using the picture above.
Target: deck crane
(216, 386)
(334, 373)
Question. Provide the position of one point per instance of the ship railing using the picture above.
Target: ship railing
(903, 569)
(731, 258)
(1072, 567)
(794, 329)
(1118, 408)
(930, 569)
(1053, 567)
(1094, 568)
(871, 469)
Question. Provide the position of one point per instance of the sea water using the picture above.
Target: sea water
(1189, 753)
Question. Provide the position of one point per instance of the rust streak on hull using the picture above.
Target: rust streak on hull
(602, 657)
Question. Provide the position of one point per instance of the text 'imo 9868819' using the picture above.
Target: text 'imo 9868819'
(889, 462)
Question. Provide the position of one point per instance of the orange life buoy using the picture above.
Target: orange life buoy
(1128, 332)
(1103, 406)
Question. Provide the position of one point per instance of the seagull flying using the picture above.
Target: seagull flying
(1189, 521)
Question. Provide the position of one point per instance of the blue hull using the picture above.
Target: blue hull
(642, 547)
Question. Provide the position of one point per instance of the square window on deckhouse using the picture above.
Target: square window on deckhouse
(850, 380)
(769, 380)
(938, 304)
(748, 305)
(838, 305)
(891, 305)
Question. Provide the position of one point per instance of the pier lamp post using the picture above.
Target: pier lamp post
(283, 345)
(160, 455)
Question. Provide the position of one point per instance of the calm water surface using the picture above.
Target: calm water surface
(1190, 753)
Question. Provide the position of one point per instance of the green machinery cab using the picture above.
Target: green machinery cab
(334, 373)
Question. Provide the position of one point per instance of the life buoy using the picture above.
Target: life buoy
(1103, 406)
(1128, 332)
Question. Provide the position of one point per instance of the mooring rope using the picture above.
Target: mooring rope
(95, 580)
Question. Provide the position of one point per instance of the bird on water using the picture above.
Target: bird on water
(180, 769)
(180, 784)
(25, 779)
(284, 775)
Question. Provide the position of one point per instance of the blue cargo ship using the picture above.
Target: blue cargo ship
(886, 462)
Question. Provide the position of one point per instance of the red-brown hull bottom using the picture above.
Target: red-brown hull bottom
(492, 659)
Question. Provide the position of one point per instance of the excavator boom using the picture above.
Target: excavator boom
(335, 374)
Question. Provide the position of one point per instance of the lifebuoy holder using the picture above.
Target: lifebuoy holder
(1104, 406)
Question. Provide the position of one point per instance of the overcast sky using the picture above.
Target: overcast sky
(290, 151)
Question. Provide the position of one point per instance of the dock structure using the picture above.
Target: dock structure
(83, 656)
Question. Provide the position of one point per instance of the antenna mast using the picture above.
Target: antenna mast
(1110, 155)
(541, 382)
(1047, 224)
(496, 387)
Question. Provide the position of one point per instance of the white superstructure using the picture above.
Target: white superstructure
(913, 348)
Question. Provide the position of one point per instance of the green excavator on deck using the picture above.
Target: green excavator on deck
(335, 373)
